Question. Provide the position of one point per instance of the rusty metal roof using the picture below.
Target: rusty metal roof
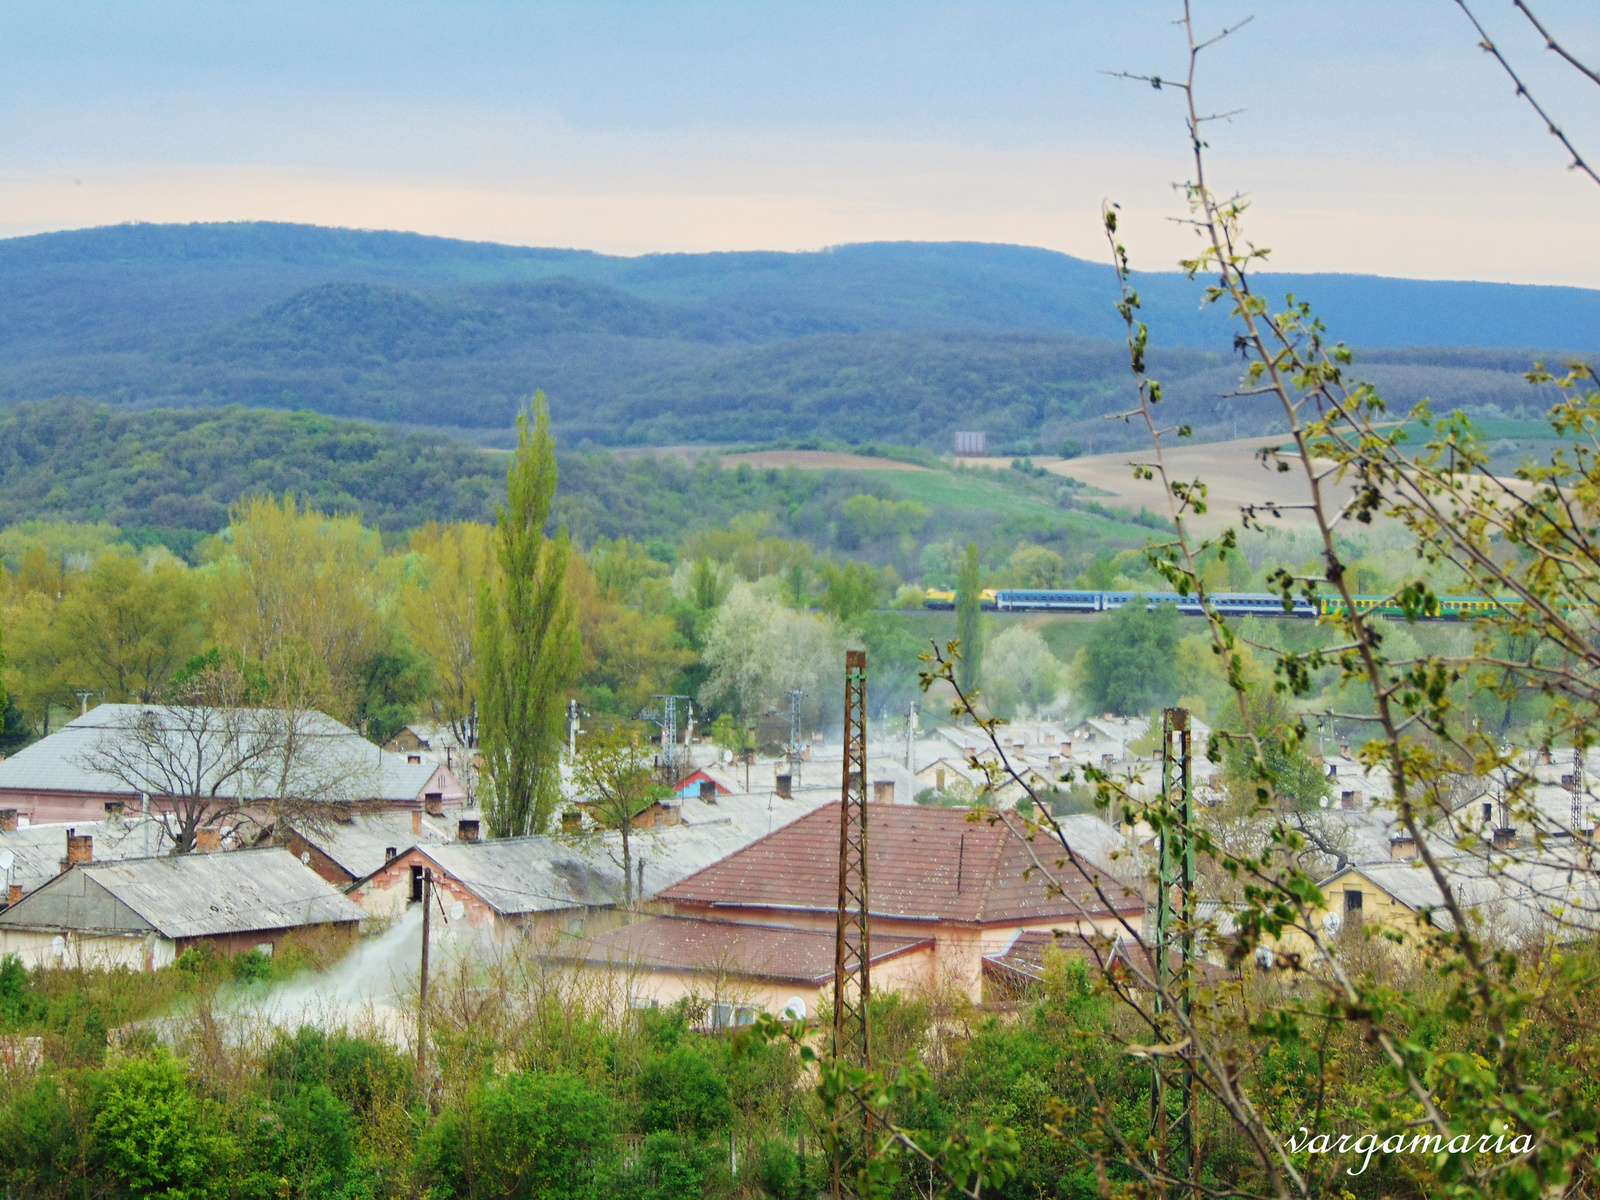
(925, 863)
(758, 951)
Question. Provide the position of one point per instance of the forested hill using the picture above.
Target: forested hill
(906, 341)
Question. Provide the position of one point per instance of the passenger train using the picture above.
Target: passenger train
(1266, 604)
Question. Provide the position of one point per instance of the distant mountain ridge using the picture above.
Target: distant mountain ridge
(879, 340)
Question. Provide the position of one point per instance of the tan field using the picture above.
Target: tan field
(1233, 474)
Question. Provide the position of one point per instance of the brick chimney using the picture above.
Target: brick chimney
(783, 786)
(1402, 846)
(8, 820)
(416, 822)
(1066, 747)
(467, 829)
(1505, 837)
(13, 894)
(883, 791)
(344, 812)
(708, 791)
(208, 841)
(79, 849)
(434, 803)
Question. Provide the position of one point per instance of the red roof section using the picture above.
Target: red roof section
(763, 951)
(924, 863)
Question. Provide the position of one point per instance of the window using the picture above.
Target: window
(416, 885)
(1349, 799)
(1352, 900)
(390, 852)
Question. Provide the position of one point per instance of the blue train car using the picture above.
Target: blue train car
(1037, 600)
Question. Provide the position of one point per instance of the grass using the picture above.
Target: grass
(983, 492)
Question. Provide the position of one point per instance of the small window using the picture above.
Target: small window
(1352, 900)
(390, 852)
(416, 885)
(1488, 812)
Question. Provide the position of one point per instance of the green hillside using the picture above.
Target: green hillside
(900, 341)
(173, 473)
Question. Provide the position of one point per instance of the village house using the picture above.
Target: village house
(524, 886)
(741, 969)
(355, 844)
(935, 876)
(62, 778)
(142, 913)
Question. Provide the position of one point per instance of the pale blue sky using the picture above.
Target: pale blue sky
(1376, 137)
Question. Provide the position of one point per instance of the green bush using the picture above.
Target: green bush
(153, 1136)
(671, 1168)
(250, 967)
(680, 1092)
(531, 1137)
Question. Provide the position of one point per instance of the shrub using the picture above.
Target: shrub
(680, 1092)
(533, 1137)
(152, 1134)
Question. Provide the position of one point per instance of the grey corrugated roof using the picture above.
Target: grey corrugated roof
(39, 849)
(361, 845)
(60, 762)
(530, 874)
(202, 895)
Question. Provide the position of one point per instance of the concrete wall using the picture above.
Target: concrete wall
(39, 948)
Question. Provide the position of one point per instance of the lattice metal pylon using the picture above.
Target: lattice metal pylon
(852, 949)
(852, 980)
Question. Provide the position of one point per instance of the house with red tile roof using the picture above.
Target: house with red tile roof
(740, 969)
(969, 887)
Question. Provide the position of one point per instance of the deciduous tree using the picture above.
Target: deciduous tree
(529, 651)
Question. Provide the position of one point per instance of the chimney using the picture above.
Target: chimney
(8, 820)
(1345, 750)
(883, 791)
(416, 822)
(13, 894)
(414, 760)
(467, 829)
(1066, 748)
(434, 803)
(708, 791)
(805, 753)
(1402, 846)
(784, 789)
(79, 849)
(344, 812)
(209, 840)
(114, 810)
(1505, 837)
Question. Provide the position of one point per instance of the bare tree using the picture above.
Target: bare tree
(215, 761)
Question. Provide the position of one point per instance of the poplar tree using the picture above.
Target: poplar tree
(969, 604)
(529, 652)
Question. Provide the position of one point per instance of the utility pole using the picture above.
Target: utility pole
(572, 728)
(852, 954)
(795, 696)
(911, 738)
(422, 990)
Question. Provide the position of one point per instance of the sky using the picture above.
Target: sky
(1370, 137)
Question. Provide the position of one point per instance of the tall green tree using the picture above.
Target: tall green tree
(1129, 664)
(529, 649)
(969, 606)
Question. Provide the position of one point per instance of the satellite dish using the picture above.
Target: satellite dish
(1332, 923)
(457, 911)
(6, 860)
(795, 1010)
(727, 756)
(1264, 957)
